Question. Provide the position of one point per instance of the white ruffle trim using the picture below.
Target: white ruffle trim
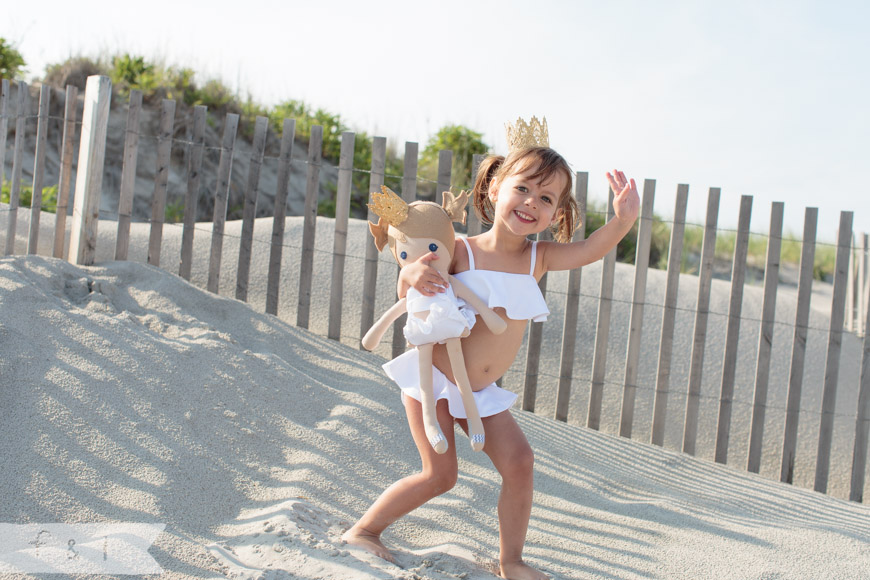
(448, 318)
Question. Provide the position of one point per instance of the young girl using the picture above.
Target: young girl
(411, 231)
(520, 196)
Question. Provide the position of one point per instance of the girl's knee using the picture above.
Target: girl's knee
(520, 464)
(441, 481)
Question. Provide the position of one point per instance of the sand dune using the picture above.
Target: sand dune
(130, 395)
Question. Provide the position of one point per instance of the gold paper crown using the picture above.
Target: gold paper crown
(522, 135)
(389, 206)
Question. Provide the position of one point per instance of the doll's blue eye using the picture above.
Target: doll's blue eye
(404, 255)
(433, 247)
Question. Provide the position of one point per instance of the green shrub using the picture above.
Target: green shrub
(132, 72)
(333, 127)
(307, 118)
(49, 196)
(12, 65)
(174, 212)
(464, 143)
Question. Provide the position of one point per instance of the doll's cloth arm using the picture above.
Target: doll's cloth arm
(493, 321)
(373, 337)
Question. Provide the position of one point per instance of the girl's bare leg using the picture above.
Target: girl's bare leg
(512, 456)
(457, 363)
(437, 475)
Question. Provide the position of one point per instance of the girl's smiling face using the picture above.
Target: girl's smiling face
(527, 205)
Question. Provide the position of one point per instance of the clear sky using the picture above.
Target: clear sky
(768, 99)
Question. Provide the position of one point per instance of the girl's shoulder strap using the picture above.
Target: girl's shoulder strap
(470, 254)
(534, 257)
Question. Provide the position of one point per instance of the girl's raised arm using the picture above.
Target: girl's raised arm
(626, 204)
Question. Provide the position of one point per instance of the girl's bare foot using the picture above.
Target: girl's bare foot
(367, 541)
(521, 571)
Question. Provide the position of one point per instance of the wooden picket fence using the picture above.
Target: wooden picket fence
(850, 309)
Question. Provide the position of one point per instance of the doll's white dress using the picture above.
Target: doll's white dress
(449, 317)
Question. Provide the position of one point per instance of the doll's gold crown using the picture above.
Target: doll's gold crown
(389, 206)
(522, 135)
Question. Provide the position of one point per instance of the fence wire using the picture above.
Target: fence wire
(554, 378)
(114, 216)
(186, 144)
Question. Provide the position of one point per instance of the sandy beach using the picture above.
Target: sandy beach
(131, 395)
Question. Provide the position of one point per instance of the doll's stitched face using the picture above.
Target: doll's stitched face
(411, 249)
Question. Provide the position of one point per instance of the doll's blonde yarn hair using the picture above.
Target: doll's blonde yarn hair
(420, 219)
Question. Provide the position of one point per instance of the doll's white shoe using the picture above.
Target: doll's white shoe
(438, 442)
(477, 441)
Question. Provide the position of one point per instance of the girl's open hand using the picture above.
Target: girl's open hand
(626, 201)
(421, 276)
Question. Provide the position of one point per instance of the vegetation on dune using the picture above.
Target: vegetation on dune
(25, 196)
(463, 142)
(157, 81)
(12, 65)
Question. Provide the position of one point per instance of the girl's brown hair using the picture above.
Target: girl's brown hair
(550, 164)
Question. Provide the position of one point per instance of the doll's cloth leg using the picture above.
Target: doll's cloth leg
(405, 371)
(427, 399)
(460, 373)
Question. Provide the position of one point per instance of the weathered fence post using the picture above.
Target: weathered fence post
(599, 355)
(306, 267)
(445, 167)
(732, 332)
(409, 194)
(533, 347)
(161, 181)
(128, 176)
(339, 245)
(572, 308)
(15, 187)
(799, 346)
(765, 337)
(635, 326)
(191, 200)
(851, 280)
(861, 288)
(370, 276)
(832, 362)
(38, 168)
(249, 211)
(862, 419)
(65, 177)
(4, 124)
(288, 134)
(89, 181)
(705, 278)
(669, 314)
(225, 168)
